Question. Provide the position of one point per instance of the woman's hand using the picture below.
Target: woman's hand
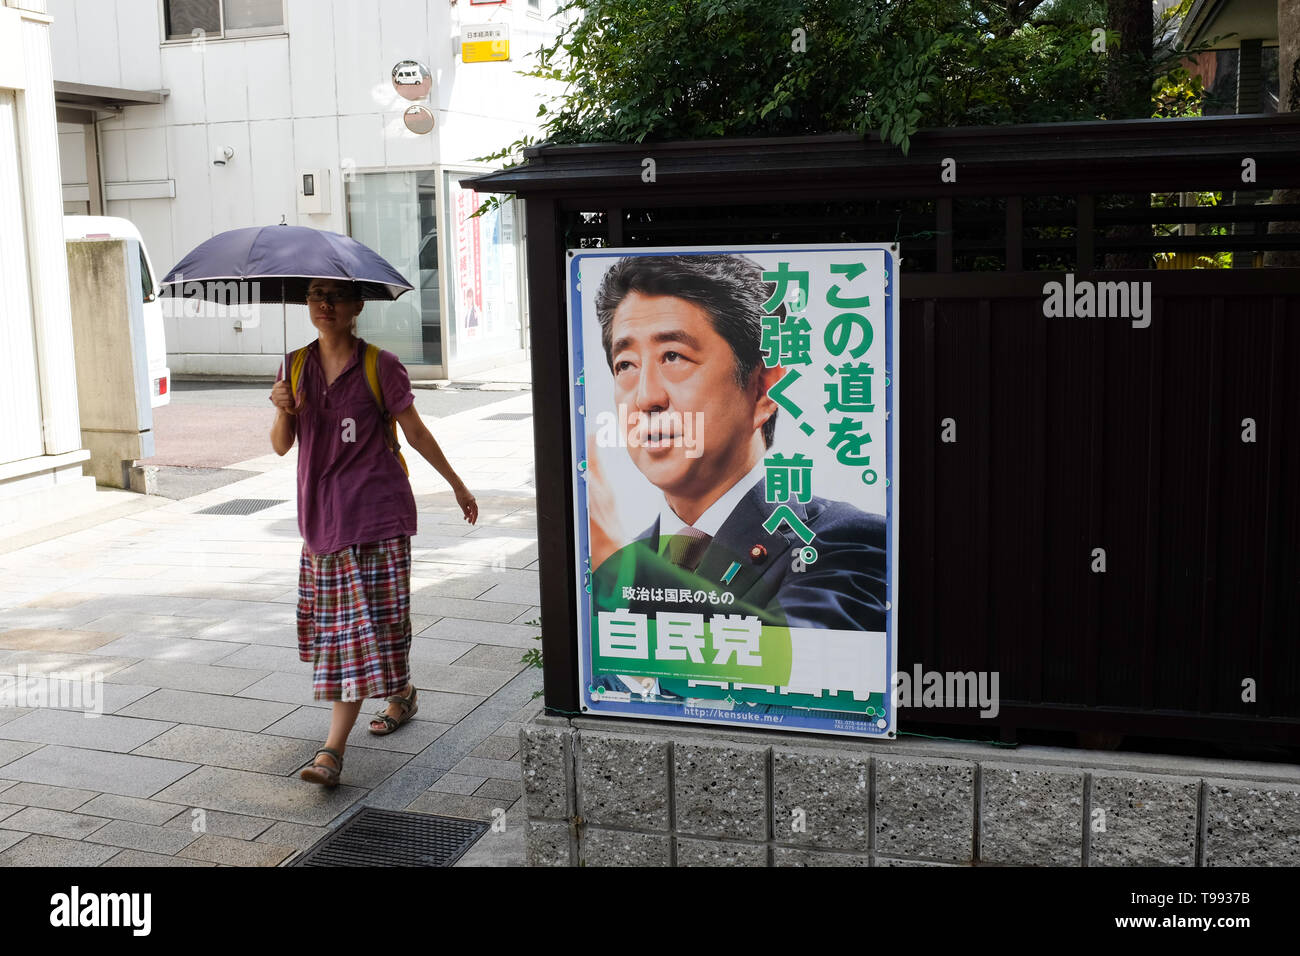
(282, 399)
(468, 506)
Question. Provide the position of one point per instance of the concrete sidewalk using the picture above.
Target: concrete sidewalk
(207, 711)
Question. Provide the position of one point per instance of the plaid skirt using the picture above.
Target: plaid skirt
(354, 620)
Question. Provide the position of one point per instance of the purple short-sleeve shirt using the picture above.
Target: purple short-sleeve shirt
(351, 487)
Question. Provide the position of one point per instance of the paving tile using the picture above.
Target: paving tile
(497, 748)
(233, 575)
(142, 836)
(237, 826)
(130, 809)
(434, 651)
(513, 593)
(69, 618)
(133, 571)
(234, 749)
(501, 790)
(62, 599)
(8, 713)
(286, 686)
(498, 848)
(482, 767)
(401, 788)
(483, 632)
(532, 614)
(100, 770)
(116, 696)
(51, 798)
(147, 625)
(182, 649)
(262, 795)
(493, 657)
(250, 631)
(510, 729)
(433, 578)
(313, 723)
(455, 805)
(266, 657)
(266, 611)
(294, 835)
(8, 809)
(9, 837)
(483, 552)
(451, 747)
(209, 710)
(11, 750)
(49, 639)
(237, 852)
(103, 732)
(458, 679)
(65, 666)
(141, 858)
(176, 675)
(444, 706)
(59, 823)
(40, 850)
(530, 709)
(457, 783)
(424, 602)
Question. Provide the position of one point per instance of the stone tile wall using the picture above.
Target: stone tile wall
(602, 792)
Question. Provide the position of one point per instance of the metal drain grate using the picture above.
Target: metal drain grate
(394, 838)
(241, 506)
(508, 417)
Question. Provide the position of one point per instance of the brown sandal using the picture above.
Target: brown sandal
(323, 774)
(409, 708)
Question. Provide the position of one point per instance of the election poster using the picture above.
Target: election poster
(735, 423)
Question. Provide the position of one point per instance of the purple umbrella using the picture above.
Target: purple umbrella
(282, 260)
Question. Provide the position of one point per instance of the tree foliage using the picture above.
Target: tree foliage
(657, 70)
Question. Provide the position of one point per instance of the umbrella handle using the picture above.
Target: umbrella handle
(284, 336)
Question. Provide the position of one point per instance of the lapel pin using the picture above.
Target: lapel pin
(731, 572)
(757, 553)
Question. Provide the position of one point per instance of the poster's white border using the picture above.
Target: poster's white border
(892, 281)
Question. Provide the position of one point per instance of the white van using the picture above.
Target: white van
(408, 75)
(111, 227)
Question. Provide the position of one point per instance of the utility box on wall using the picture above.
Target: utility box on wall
(314, 192)
(108, 330)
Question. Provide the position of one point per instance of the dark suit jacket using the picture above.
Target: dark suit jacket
(843, 590)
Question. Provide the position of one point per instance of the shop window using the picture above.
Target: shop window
(396, 215)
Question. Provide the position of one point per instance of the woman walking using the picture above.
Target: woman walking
(356, 513)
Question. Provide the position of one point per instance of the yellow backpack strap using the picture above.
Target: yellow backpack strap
(390, 423)
(299, 358)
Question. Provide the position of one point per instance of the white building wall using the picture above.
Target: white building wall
(40, 431)
(318, 96)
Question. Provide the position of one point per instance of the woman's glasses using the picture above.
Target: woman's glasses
(333, 298)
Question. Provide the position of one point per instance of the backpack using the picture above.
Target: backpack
(371, 365)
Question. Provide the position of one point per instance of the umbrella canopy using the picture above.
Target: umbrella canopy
(284, 260)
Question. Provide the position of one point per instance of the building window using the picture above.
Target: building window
(222, 18)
